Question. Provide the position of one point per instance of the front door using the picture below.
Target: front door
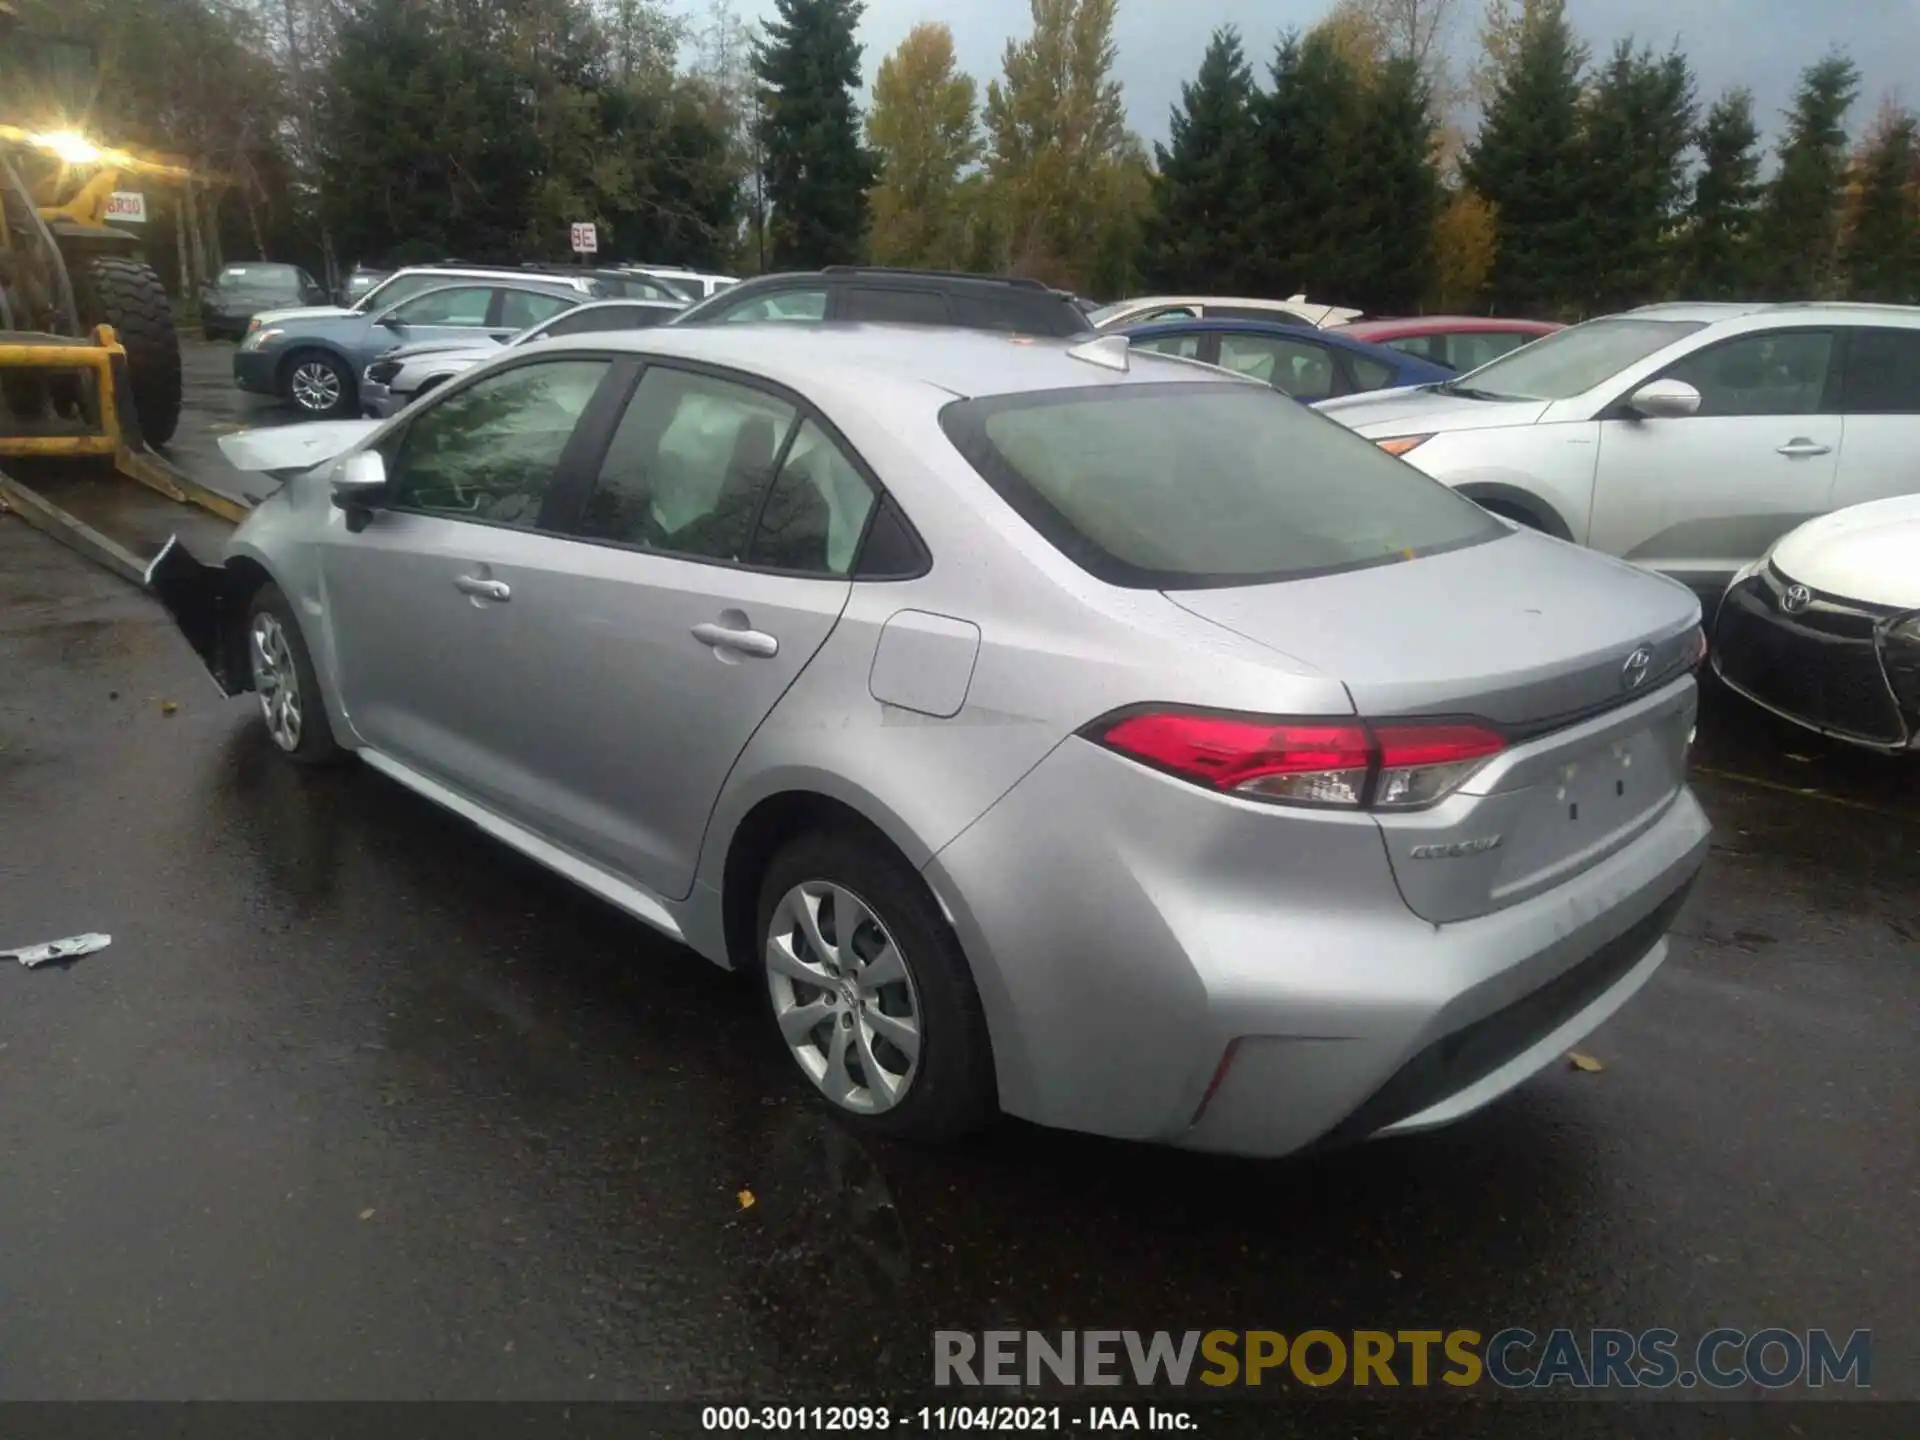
(1881, 402)
(712, 562)
(1697, 497)
(442, 609)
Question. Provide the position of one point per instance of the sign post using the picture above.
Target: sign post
(586, 239)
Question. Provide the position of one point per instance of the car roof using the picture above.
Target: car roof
(1148, 301)
(860, 360)
(1707, 312)
(915, 279)
(1412, 325)
(1223, 325)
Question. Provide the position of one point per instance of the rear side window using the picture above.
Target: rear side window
(802, 306)
(1883, 373)
(1184, 486)
(1295, 366)
(896, 307)
(521, 309)
(1422, 347)
(814, 514)
(1368, 373)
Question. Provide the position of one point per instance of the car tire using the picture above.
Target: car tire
(285, 682)
(939, 1087)
(317, 385)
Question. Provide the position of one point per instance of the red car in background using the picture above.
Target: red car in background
(1459, 342)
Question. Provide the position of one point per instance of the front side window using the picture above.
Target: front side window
(688, 465)
(1187, 485)
(1883, 373)
(396, 288)
(522, 308)
(896, 307)
(1187, 347)
(1778, 373)
(798, 306)
(464, 305)
(1572, 362)
(1291, 365)
(816, 511)
(489, 452)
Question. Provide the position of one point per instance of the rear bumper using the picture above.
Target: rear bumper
(1259, 985)
(1824, 667)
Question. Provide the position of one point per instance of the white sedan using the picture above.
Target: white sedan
(1824, 630)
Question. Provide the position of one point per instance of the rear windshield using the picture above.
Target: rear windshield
(1572, 362)
(1186, 486)
(283, 277)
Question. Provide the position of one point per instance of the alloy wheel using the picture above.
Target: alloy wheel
(315, 386)
(843, 997)
(275, 680)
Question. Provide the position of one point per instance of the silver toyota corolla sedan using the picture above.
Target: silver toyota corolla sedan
(1083, 734)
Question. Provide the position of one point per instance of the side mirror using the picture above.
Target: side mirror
(390, 321)
(359, 482)
(1665, 400)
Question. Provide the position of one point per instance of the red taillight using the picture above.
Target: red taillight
(1401, 765)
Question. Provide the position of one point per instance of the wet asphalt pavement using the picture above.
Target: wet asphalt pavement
(359, 1104)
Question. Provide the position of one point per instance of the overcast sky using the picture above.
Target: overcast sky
(1759, 43)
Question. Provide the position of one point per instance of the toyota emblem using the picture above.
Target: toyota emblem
(1639, 665)
(1796, 599)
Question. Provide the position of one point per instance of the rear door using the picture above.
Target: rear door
(710, 560)
(1880, 400)
(1698, 497)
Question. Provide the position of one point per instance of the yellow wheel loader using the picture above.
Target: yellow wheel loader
(90, 363)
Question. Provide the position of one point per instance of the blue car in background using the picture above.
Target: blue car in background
(1310, 365)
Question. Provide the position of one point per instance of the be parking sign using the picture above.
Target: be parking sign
(586, 240)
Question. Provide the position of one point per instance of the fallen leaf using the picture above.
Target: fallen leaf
(167, 707)
(1582, 1061)
(366, 1214)
(745, 1197)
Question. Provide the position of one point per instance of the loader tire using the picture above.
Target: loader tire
(128, 295)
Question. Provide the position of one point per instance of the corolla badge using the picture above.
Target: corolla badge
(1795, 599)
(1638, 666)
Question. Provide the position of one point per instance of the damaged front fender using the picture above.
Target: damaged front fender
(205, 602)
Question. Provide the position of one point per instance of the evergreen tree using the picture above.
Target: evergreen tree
(1198, 236)
(924, 136)
(427, 150)
(1715, 258)
(1880, 258)
(817, 171)
(1312, 209)
(1398, 189)
(1638, 123)
(1527, 162)
(1064, 174)
(1799, 219)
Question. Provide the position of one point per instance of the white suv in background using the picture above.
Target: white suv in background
(1686, 438)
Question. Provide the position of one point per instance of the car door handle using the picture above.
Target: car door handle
(1800, 445)
(483, 589)
(747, 642)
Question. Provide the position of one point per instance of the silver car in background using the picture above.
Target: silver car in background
(1685, 438)
(400, 377)
(1054, 729)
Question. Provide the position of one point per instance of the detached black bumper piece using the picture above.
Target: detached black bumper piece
(1822, 665)
(201, 599)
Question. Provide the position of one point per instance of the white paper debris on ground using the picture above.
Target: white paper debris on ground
(67, 949)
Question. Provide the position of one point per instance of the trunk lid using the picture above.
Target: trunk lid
(1583, 661)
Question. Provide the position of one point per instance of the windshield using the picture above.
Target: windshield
(277, 277)
(1571, 362)
(1182, 486)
